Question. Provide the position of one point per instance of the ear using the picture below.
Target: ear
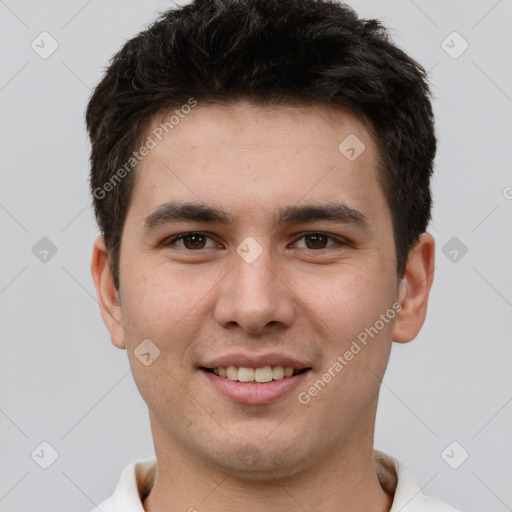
(414, 289)
(108, 297)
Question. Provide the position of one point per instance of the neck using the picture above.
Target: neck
(345, 480)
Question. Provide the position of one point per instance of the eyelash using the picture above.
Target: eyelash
(339, 241)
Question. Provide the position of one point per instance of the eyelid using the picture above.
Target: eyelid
(177, 238)
(337, 238)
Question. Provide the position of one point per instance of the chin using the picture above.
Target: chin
(269, 467)
(259, 458)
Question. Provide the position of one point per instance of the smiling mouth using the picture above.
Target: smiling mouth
(255, 375)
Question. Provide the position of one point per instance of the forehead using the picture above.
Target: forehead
(250, 158)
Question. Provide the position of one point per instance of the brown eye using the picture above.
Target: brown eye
(194, 241)
(318, 241)
(190, 241)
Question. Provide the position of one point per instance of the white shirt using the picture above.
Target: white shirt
(137, 479)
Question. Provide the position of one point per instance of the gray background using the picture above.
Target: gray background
(61, 380)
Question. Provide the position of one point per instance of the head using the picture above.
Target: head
(255, 122)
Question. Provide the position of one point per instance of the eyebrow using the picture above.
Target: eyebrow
(175, 211)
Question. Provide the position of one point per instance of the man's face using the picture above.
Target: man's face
(264, 289)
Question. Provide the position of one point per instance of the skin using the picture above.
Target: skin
(300, 299)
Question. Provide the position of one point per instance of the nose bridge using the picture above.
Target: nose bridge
(252, 295)
(254, 278)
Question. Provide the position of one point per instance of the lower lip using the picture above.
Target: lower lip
(255, 393)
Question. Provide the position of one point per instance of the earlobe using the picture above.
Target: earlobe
(414, 289)
(108, 297)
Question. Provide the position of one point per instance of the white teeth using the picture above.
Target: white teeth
(263, 374)
(246, 374)
(232, 373)
(277, 372)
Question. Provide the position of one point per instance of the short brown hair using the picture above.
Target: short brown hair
(271, 52)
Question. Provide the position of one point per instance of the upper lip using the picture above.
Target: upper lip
(255, 361)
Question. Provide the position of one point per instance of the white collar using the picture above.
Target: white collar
(137, 479)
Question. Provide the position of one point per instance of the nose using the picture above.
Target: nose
(255, 296)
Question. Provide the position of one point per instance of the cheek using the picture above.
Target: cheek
(154, 319)
(356, 346)
(347, 301)
(159, 308)
(347, 311)
(156, 299)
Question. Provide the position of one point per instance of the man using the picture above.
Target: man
(260, 173)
